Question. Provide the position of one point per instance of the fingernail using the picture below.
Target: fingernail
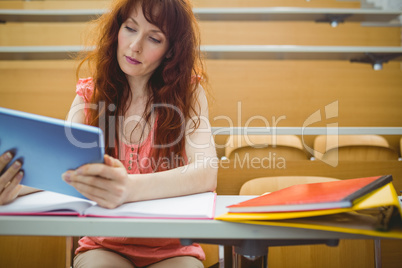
(66, 177)
(8, 156)
(20, 175)
(17, 165)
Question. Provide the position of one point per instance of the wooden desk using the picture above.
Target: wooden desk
(161, 228)
(214, 231)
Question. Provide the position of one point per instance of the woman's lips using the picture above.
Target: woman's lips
(132, 60)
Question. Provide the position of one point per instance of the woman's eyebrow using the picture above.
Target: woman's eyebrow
(133, 20)
(156, 30)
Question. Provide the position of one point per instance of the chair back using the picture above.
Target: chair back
(353, 147)
(262, 185)
(287, 146)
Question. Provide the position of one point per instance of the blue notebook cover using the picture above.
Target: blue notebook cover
(48, 147)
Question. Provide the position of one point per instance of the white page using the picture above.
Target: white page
(46, 201)
(196, 206)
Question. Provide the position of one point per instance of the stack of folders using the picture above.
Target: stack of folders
(367, 206)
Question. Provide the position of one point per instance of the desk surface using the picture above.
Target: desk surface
(161, 228)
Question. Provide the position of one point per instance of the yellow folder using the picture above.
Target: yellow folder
(369, 216)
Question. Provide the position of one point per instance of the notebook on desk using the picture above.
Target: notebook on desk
(48, 147)
(377, 213)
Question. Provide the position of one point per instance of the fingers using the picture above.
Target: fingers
(10, 179)
(103, 183)
(103, 191)
(87, 187)
(82, 182)
(12, 190)
(11, 171)
(113, 162)
(108, 160)
(108, 170)
(102, 197)
(5, 159)
(9, 174)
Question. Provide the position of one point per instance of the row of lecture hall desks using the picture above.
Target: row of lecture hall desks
(256, 80)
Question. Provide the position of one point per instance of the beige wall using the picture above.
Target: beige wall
(291, 90)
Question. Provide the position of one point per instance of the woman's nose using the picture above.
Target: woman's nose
(136, 44)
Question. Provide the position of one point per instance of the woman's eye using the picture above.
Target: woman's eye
(155, 40)
(129, 29)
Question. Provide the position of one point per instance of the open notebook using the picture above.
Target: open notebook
(195, 206)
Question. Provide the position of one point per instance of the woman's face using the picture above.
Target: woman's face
(141, 46)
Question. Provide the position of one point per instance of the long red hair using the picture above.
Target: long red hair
(173, 83)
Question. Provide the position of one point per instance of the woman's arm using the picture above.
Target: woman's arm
(77, 111)
(199, 175)
(110, 185)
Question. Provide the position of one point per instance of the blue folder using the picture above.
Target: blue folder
(48, 147)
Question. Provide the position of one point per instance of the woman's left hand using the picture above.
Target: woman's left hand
(106, 184)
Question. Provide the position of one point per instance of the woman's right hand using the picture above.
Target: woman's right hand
(9, 179)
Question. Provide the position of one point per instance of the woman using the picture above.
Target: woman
(145, 93)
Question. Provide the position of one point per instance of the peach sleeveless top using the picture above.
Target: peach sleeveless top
(141, 251)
